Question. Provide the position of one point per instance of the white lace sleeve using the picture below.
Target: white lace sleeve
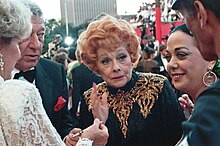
(23, 118)
(2, 141)
(84, 142)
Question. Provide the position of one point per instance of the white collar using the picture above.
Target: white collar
(14, 71)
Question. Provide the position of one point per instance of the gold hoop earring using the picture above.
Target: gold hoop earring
(1, 63)
(209, 78)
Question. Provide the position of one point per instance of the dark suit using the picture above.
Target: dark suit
(51, 82)
(160, 62)
(83, 78)
(203, 128)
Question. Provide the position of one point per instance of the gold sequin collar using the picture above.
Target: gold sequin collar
(144, 93)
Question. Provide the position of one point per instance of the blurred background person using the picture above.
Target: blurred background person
(55, 45)
(61, 58)
(162, 61)
(147, 62)
(73, 62)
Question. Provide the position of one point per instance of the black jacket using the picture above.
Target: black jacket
(203, 127)
(127, 108)
(51, 82)
(82, 78)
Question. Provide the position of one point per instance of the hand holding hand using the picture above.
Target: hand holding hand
(97, 132)
(70, 140)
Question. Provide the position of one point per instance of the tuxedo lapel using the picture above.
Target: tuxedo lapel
(159, 60)
(44, 84)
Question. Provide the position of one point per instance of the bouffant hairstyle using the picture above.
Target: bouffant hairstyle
(15, 21)
(108, 33)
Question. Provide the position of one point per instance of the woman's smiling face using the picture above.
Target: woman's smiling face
(186, 65)
(114, 66)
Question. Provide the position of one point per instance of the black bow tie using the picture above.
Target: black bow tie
(28, 75)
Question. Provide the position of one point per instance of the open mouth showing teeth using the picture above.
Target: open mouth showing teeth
(176, 76)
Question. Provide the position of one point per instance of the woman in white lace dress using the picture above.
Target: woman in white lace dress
(23, 120)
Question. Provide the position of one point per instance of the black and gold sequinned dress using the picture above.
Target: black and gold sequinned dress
(145, 112)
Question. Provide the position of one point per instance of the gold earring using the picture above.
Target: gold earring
(209, 78)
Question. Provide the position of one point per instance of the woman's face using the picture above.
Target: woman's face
(186, 65)
(115, 67)
(11, 54)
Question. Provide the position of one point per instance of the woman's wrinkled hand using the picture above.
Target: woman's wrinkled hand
(99, 104)
(70, 140)
(97, 132)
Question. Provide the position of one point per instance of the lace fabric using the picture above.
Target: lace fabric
(84, 142)
(23, 120)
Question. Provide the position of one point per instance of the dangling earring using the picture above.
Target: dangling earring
(209, 78)
(1, 63)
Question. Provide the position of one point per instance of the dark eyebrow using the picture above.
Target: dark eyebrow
(179, 48)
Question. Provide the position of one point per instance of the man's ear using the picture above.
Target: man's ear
(201, 13)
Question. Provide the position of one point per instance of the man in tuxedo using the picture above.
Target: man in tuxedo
(49, 77)
(162, 61)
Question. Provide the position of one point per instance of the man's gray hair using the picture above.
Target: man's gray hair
(35, 9)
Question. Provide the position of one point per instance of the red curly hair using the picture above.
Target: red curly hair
(109, 33)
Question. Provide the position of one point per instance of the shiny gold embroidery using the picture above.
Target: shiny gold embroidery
(121, 104)
(145, 93)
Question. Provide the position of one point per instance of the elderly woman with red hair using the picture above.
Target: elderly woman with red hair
(137, 108)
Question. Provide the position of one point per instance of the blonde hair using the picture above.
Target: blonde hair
(15, 20)
(109, 33)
